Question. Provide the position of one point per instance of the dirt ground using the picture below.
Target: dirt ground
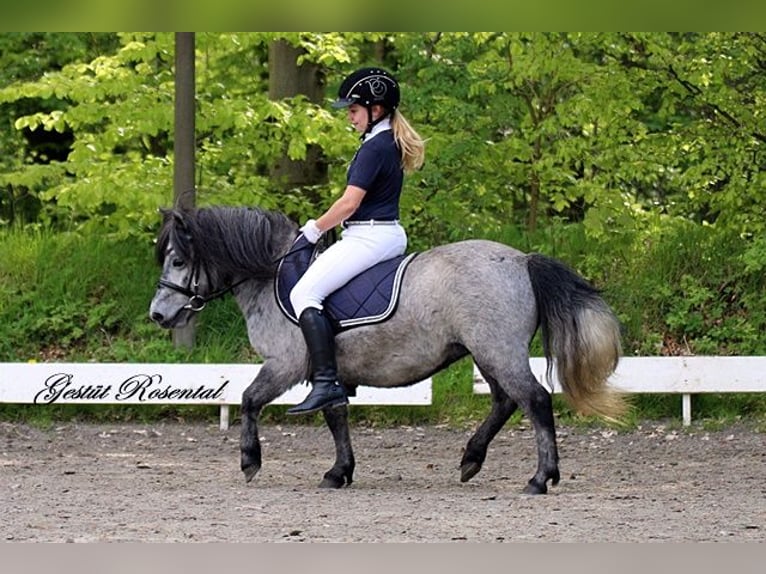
(181, 482)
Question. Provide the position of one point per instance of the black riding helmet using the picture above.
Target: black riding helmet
(368, 87)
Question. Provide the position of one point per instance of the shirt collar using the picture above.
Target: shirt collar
(381, 126)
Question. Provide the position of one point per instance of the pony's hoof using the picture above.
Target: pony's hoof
(533, 487)
(336, 481)
(250, 471)
(330, 483)
(469, 470)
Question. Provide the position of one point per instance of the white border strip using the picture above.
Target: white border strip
(159, 383)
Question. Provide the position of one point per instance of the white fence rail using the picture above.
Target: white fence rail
(158, 383)
(673, 375)
(223, 384)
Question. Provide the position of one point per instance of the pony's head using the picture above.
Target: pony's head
(183, 287)
(205, 253)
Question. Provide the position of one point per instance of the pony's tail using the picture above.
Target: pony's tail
(580, 333)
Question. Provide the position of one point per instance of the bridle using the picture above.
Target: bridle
(197, 301)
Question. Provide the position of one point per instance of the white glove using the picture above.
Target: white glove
(310, 231)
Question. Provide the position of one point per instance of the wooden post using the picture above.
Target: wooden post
(183, 147)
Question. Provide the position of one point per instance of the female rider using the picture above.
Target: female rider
(368, 211)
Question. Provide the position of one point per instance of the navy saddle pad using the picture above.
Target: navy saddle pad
(370, 297)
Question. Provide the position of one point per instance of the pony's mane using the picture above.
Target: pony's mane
(234, 241)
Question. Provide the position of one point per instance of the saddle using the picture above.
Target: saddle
(370, 297)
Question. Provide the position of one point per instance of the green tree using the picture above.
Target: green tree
(615, 130)
(26, 57)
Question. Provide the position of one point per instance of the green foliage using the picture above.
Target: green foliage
(25, 58)
(56, 308)
(692, 283)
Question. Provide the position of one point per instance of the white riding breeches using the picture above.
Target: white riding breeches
(360, 247)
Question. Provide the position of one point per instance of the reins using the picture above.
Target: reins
(292, 251)
(327, 239)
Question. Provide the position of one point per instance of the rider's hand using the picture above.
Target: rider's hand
(310, 231)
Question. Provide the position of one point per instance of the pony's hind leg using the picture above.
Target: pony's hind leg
(476, 449)
(342, 472)
(523, 389)
(538, 406)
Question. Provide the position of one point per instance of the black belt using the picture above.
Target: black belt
(371, 222)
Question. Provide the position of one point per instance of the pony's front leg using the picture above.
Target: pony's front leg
(249, 441)
(342, 472)
(265, 388)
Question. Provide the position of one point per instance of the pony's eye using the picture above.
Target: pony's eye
(178, 263)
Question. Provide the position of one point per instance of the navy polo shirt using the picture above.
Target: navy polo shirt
(377, 169)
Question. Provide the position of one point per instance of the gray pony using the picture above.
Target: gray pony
(475, 297)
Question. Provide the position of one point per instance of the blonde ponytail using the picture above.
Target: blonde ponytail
(409, 142)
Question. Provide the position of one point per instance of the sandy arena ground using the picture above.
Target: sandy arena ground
(181, 482)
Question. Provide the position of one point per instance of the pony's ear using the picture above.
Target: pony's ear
(179, 219)
(168, 214)
(164, 213)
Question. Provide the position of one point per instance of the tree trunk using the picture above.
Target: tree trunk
(534, 189)
(288, 79)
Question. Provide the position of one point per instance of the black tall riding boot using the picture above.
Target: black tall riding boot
(326, 391)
